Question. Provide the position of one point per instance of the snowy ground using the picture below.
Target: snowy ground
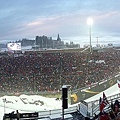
(34, 103)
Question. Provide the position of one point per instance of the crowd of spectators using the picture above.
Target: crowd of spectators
(35, 71)
(111, 113)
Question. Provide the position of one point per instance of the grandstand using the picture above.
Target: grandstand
(45, 72)
(74, 68)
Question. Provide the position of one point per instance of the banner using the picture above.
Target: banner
(13, 46)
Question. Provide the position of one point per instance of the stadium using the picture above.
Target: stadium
(59, 60)
(35, 72)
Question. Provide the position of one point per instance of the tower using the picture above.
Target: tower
(58, 38)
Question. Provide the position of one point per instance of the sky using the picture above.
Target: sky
(22, 102)
(28, 18)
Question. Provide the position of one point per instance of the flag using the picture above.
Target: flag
(104, 102)
(118, 83)
(105, 99)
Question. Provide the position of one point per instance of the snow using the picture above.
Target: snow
(27, 103)
(35, 103)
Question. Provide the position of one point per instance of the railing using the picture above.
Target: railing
(93, 106)
(43, 114)
(58, 111)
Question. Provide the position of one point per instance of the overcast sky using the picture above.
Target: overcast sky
(29, 18)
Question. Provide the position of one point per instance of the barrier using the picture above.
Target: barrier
(21, 115)
(93, 106)
(41, 114)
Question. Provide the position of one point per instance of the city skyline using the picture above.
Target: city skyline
(28, 18)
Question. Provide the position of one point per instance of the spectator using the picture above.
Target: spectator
(36, 71)
(18, 115)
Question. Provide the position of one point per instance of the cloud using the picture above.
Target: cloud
(34, 23)
(106, 15)
(21, 19)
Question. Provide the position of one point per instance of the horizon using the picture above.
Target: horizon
(83, 42)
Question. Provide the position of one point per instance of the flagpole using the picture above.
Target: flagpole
(109, 105)
(4, 100)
